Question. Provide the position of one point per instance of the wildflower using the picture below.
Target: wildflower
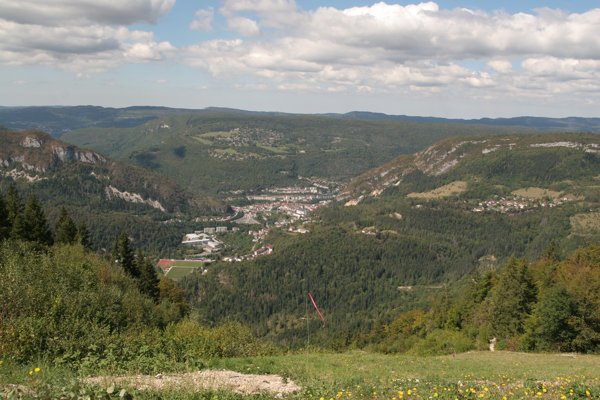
(37, 370)
(30, 372)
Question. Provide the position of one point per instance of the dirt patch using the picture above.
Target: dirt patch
(451, 189)
(203, 380)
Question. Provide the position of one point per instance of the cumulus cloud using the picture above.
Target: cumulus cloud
(203, 20)
(272, 13)
(415, 48)
(80, 35)
(83, 12)
(243, 25)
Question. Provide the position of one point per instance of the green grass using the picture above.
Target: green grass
(364, 375)
(177, 273)
(273, 149)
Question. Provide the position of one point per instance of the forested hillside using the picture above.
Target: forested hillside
(397, 247)
(64, 304)
(108, 195)
(220, 151)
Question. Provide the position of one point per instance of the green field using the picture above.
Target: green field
(489, 375)
(178, 272)
(363, 375)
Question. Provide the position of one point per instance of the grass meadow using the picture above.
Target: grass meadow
(364, 375)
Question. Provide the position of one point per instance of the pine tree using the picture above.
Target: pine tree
(511, 302)
(4, 222)
(123, 254)
(31, 225)
(14, 204)
(65, 230)
(148, 278)
(83, 236)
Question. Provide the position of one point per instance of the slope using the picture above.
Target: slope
(107, 194)
(220, 151)
(403, 232)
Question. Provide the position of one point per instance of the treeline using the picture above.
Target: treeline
(62, 303)
(547, 305)
(28, 222)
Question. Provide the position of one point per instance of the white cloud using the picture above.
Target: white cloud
(501, 66)
(243, 25)
(416, 47)
(83, 12)
(272, 13)
(82, 36)
(203, 20)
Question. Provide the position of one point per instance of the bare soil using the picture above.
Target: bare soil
(204, 380)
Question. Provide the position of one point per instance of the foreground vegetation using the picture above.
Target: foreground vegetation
(363, 375)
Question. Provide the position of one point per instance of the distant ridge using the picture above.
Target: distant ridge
(60, 119)
(570, 124)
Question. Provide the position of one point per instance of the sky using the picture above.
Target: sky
(450, 58)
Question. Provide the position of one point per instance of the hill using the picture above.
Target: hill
(404, 232)
(107, 194)
(511, 161)
(222, 151)
(58, 120)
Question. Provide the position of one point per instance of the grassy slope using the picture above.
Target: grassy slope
(362, 375)
(377, 376)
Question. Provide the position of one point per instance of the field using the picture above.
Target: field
(586, 224)
(363, 375)
(178, 272)
(536, 193)
(451, 189)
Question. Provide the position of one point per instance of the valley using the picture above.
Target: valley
(407, 234)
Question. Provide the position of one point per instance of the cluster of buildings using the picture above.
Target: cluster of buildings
(208, 243)
(517, 204)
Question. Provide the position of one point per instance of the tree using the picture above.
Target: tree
(14, 204)
(65, 230)
(123, 254)
(4, 222)
(551, 327)
(32, 225)
(148, 279)
(511, 301)
(83, 236)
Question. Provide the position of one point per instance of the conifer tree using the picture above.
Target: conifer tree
(512, 299)
(4, 222)
(65, 230)
(83, 236)
(14, 204)
(123, 254)
(148, 278)
(31, 225)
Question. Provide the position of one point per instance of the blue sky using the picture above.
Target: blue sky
(448, 58)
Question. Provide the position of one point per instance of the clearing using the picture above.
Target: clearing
(536, 193)
(451, 189)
